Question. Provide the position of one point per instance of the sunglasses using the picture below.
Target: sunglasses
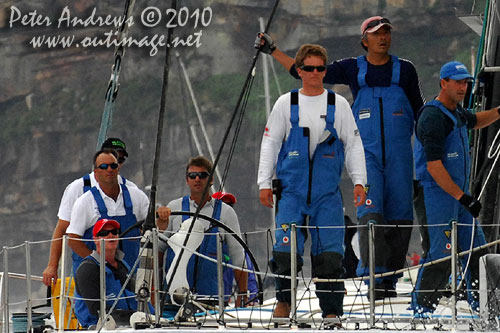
(104, 233)
(312, 68)
(193, 175)
(375, 23)
(105, 166)
(121, 160)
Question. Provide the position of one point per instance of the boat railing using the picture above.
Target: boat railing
(361, 311)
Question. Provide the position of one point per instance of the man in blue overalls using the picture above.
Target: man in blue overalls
(307, 137)
(202, 273)
(108, 199)
(387, 95)
(87, 277)
(443, 169)
(72, 192)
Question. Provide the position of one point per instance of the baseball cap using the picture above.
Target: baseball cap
(116, 144)
(226, 197)
(374, 23)
(454, 70)
(101, 223)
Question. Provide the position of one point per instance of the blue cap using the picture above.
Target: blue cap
(454, 70)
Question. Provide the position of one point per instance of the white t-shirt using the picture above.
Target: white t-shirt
(85, 212)
(312, 112)
(75, 190)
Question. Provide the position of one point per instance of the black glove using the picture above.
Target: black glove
(268, 47)
(471, 204)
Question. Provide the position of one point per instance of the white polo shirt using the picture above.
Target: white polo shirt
(75, 190)
(85, 212)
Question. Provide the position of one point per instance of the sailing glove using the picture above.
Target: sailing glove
(268, 47)
(471, 204)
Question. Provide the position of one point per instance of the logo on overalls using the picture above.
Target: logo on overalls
(294, 153)
(448, 246)
(364, 114)
(285, 240)
(368, 202)
(285, 227)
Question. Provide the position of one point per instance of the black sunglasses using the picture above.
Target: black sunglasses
(193, 175)
(121, 160)
(105, 166)
(375, 23)
(104, 233)
(312, 68)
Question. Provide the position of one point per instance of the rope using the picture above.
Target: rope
(215, 163)
(112, 90)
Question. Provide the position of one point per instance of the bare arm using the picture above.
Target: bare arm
(443, 178)
(50, 272)
(485, 118)
(286, 61)
(78, 246)
(242, 282)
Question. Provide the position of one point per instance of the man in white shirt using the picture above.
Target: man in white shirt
(201, 273)
(111, 200)
(307, 136)
(72, 192)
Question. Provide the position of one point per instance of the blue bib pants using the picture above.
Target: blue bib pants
(385, 121)
(310, 189)
(441, 210)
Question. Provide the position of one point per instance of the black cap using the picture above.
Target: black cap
(115, 144)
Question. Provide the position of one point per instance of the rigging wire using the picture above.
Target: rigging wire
(112, 90)
(215, 163)
(150, 219)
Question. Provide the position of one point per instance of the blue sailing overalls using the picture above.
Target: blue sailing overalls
(385, 121)
(113, 287)
(129, 246)
(441, 210)
(201, 273)
(310, 188)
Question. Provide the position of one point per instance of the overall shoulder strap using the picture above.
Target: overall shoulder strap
(100, 202)
(127, 201)
(330, 111)
(445, 111)
(86, 183)
(362, 68)
(294, 107)
(217, 209)
(185, 207)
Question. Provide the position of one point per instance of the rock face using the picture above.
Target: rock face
(51, 99)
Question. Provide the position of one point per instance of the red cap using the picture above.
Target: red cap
(378, 22)
(101, 223)
(226, 197)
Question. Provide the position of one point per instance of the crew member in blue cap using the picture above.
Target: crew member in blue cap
(443, 169)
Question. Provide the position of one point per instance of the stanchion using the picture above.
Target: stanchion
(293, 271)
(371, 261)
(62, 297)
(220, 281)
(454, 274)
(28, 286)
(5, 290)
(102, 280)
